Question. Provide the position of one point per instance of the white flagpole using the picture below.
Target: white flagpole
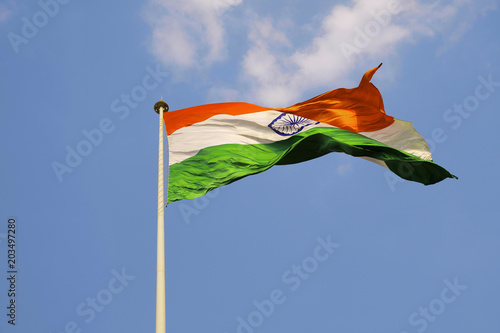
(160, 107)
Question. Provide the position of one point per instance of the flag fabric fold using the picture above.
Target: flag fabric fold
(216, 144)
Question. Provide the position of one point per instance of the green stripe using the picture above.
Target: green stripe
(220, 165)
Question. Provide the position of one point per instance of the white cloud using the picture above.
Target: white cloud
(354, 36)
(277, 67)
(459, 27)
(348, 35)
(188, 33)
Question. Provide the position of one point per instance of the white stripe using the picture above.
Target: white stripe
(246, 129)
(402, 135)
(252, 128)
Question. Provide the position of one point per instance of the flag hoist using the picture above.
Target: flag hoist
(160, 107)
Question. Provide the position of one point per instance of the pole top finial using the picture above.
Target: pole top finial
(161, 103)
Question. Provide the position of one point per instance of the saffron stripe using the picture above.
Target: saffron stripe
(360, 109)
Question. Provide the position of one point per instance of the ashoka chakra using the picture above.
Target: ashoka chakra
(288, 124)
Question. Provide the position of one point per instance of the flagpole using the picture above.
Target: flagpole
(160, 107)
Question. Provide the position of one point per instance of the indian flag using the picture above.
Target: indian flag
(216, 144)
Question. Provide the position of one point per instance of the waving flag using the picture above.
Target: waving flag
(216, 144)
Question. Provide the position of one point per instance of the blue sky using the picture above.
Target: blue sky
(403, 257)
